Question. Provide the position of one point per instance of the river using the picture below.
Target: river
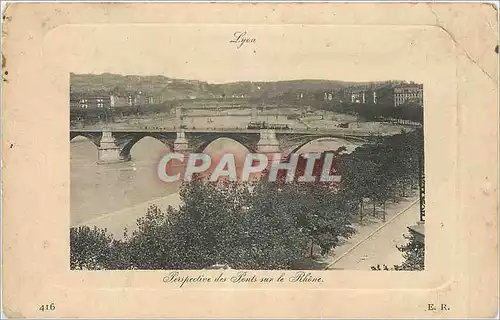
(99, 189)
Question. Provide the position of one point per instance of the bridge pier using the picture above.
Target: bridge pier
(181, 143)
(268, 142)
(108, 151)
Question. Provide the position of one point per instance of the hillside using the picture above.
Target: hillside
(169, 88)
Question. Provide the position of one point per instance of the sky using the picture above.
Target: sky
(204, 52)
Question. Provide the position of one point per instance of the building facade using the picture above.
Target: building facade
(86, 100)
(408, 94)
(358, 96)
(363, 96)
(132, 98)
(104, 99)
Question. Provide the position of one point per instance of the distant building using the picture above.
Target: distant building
(239, 96)
(408, 93)
(90, 99)
(358, 96)
(113, 99)
(144, 98)
(120, 100)
(132, 98)
(365, 95)
(328, 96)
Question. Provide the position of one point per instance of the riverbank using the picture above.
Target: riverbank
(116, 222)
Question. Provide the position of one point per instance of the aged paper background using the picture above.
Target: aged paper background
(450, 48)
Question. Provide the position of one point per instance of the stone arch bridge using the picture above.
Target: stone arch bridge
(114, 145)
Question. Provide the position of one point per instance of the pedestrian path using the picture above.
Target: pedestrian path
(375, 242)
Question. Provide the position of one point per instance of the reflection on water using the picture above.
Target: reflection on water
(97, 190)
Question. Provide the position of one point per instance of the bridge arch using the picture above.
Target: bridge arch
(95, 139)
(129, 144)
(201, 147)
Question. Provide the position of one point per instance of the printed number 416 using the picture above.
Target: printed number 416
(48, 307)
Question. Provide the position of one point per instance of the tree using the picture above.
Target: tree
(318, 208)
(358, 178)
(89, 248)
(271, 238)
(149, 245)
(203, 231)
(413, 253)
(414, 256)
(220, 223)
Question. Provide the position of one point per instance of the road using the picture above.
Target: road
(375, 243)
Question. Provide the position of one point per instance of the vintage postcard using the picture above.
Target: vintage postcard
(250, 160)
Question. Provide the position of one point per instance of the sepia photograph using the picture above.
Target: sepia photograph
(299, 174)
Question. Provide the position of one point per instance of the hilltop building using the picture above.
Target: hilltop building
(363, 96)
(93, 99)
(328, 96)
(105, 99)
(132, 98)
(396, 94)
(408, 93)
